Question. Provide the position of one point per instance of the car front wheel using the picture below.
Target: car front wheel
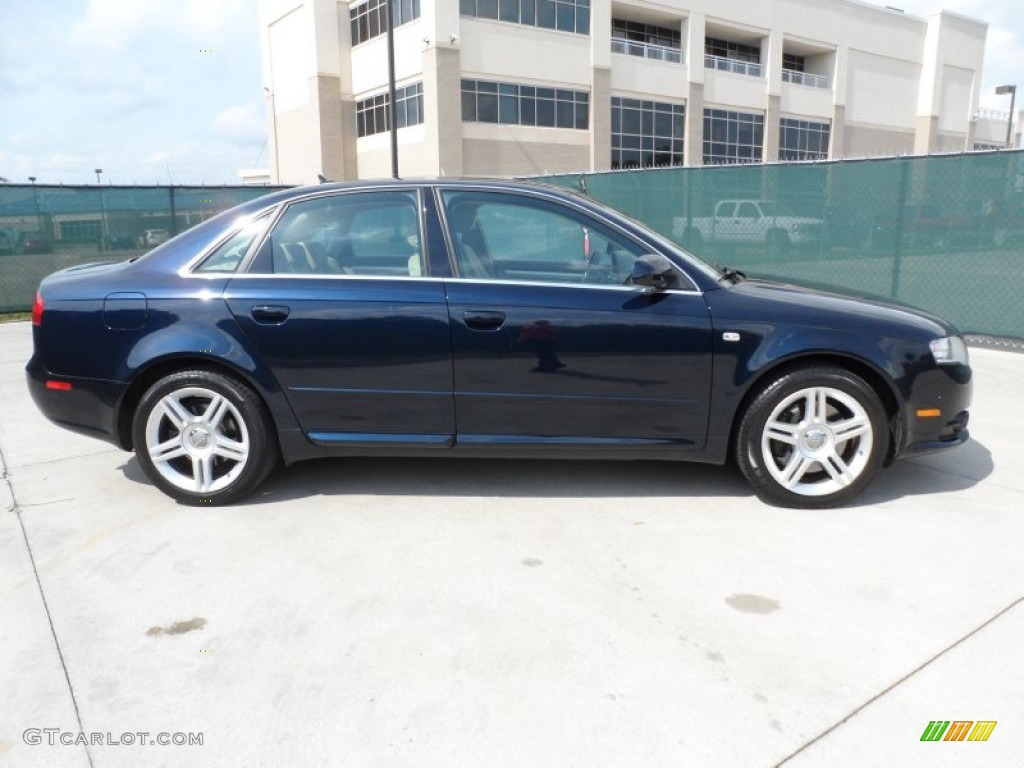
(203, 437)
(813, 437)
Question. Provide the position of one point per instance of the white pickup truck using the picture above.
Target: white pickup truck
(758, 222)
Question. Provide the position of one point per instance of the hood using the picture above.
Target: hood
(840, 308)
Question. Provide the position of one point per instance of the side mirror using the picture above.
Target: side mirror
(654, 272)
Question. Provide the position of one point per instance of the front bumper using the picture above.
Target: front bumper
(946, 390)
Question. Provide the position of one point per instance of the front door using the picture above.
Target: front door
(552, 348)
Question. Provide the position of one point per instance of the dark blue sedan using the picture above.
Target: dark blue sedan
(416, 318)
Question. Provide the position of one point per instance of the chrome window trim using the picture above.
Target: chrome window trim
(419, 190)
(463, 280)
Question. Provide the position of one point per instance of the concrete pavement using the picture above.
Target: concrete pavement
(458, 613)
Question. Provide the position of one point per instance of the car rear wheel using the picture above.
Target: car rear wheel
(203, 437)
(813, 437)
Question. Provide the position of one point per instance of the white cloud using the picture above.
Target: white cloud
(109, 26)
(127, 86)
(241, 124)
(211, 16)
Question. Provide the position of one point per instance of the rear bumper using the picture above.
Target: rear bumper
(88, 407)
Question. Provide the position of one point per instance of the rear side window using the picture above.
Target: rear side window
(228, 255)
(361, 233)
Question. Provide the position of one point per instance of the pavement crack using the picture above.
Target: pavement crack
(900, 681)
(16, 509)
(44, 462)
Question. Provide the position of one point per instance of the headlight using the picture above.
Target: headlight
(950, 350)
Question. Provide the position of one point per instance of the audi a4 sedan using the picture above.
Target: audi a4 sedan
(491, 319)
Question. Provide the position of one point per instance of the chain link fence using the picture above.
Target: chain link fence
(944, 233)
(46, 228)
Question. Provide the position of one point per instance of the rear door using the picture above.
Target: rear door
(552, 348)
(340, 305)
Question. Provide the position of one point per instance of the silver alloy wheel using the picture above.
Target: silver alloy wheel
(197, 440)
(817, 441)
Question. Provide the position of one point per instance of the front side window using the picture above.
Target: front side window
(498, 236)
(362, 233)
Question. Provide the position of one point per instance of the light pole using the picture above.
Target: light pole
(392, 106)
(1002, 90)
(103, 214)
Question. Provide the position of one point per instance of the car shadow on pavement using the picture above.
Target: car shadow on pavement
(956, 470)
(523, 478)
(515, 478)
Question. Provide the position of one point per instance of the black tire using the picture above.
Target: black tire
(213, 428)
(813, 437)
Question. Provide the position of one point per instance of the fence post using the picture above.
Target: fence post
(897, 253)
(174, 213)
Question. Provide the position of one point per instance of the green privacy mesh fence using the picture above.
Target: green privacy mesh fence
(944, 233)
(46, 228)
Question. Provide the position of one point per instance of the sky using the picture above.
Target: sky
(151, 91)
(170, 91)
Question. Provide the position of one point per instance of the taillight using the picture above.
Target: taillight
(37, 310)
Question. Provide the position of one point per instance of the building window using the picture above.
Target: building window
(637, 39)
(794, 63)
(513, 104)
(726, 49)
(372, 113)
(646, 133)
(732, 137)
(563, 15)
(803, 140)
(370, 19)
